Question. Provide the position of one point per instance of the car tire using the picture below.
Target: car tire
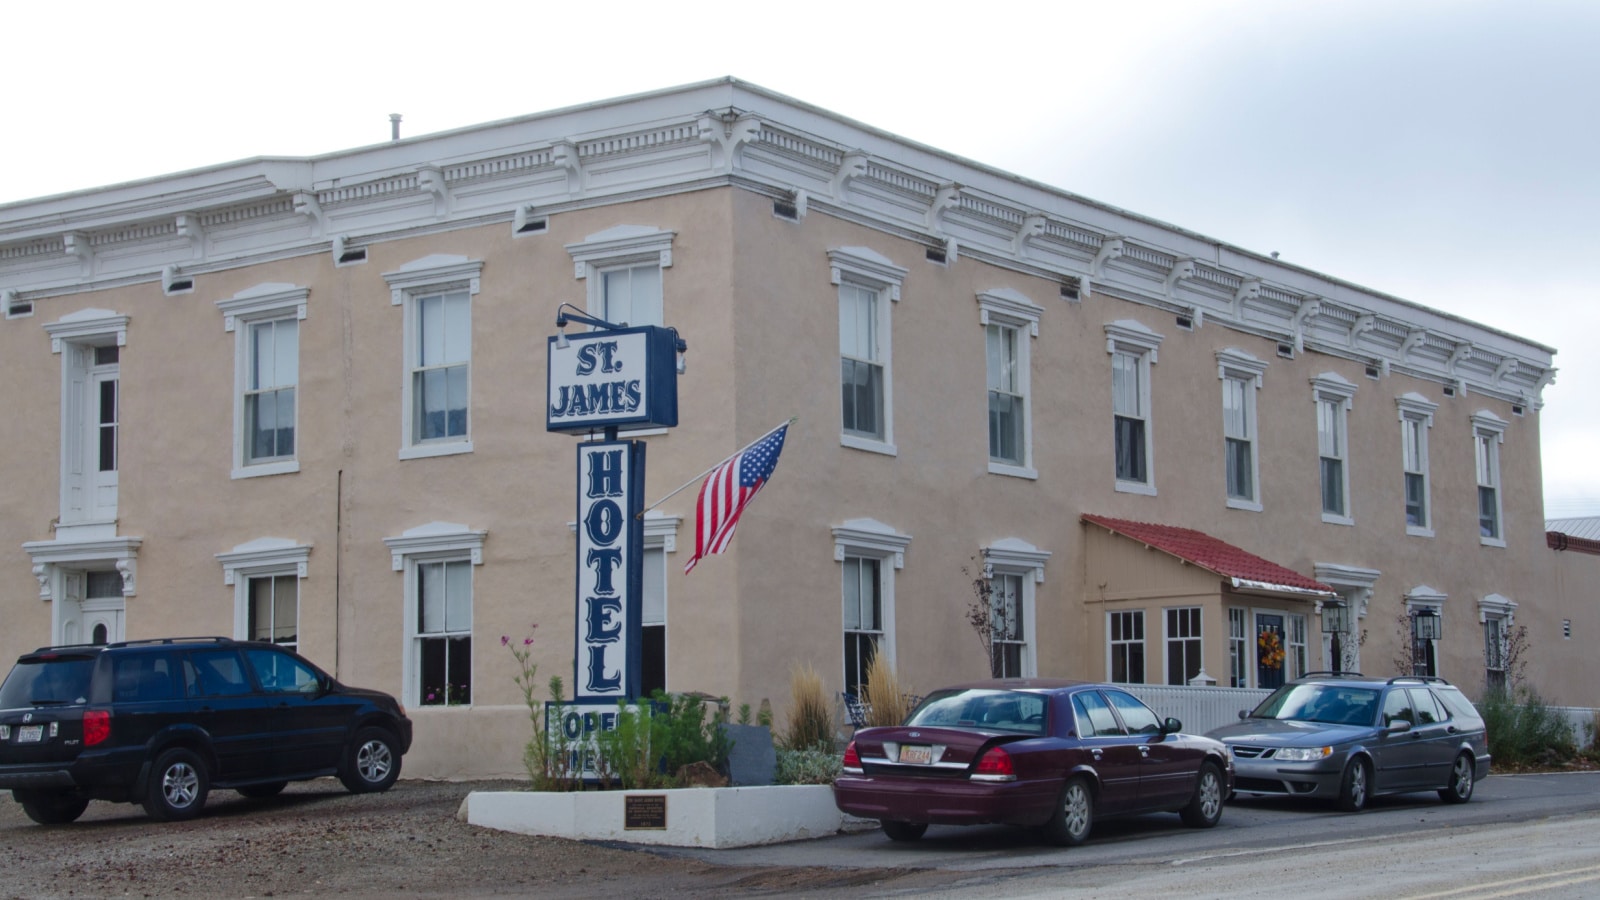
(262, 791)
(903, 831)
(1205, 807)
(1355, 786)
(1462, 778)
(1074, 816)
(178, 786)
(51, 808)
(371, 763)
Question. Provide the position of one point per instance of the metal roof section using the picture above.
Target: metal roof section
(1586, 527)
(1244, 570)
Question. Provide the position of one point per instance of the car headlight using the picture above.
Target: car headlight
(1302, 754)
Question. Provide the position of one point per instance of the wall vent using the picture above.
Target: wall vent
(1373, 372)
(786, 209)
(935, 255)
(1286, 351)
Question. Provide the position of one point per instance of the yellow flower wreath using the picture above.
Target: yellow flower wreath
(1271, 647)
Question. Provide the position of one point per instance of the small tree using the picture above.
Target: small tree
(986, 618)
(1405, 658)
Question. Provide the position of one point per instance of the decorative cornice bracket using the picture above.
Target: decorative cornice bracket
(305, 203)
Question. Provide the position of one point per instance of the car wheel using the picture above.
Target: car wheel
(903, 831)
(178, 786)
(1205, 807)
(259, 791)
(1461, 780)
(371, 763)
(1354, 786)
(48, 808)
(1074, 816)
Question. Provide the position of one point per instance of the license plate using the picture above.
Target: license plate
(920, 756)
(30, 734)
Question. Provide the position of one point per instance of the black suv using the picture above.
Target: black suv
(161, 722)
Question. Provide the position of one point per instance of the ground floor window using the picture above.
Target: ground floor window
(1126, 628)
(1238, 648)
(444, 633)
(863, 618)
(1008, 646)
(274, 611)
(653, 623)
(1183, 644)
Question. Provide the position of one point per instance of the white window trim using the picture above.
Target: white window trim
(1486, 424)
(1237, 364)
(429, 275)
(433, 542)
(1497, 606)
(1334, 388)
(85, 330)
(270, 300)
(1143, 641)
(872, 270)
(871, 539)
(1167, 638)
(259, 558)
(1014, 556)
(1004, 306)
(1129, 336)
(1415, 407)
(622, 245)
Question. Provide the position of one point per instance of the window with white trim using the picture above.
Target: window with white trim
(869, 552)
(1184, 644)
(1238, 647)
(1295, 657)
(265, 575)
(1014, 568)
(1488, 433)
(660, 538)
(1125, 643)
(1240, 374)
(868, 285)
(1416, 418)
(1009, 320)
(1425, 618)
(437, 561)
(1497, 615)
(622, 268)
(90, 342)
(265, 321)
(1333, 395)
(436, 390)
(1133, 351)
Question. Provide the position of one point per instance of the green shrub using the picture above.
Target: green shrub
(655, 739)
(806, 766)
(1524, 730)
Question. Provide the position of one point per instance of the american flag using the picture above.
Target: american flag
(728, 490)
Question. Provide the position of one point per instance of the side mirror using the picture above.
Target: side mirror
(1398, 726)
(1244, 713)
(1171, 726)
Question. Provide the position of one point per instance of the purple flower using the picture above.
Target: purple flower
(504, 640)
(526, 641)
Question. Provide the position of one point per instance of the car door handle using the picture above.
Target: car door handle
(1097, 753)
(1144, 750)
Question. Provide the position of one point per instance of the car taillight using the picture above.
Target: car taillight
(96, 726)
(852, 760)
(995, 766)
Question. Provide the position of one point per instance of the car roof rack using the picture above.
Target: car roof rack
(1421, 679)
(1325, 673)
(68, 647)
(173, 640)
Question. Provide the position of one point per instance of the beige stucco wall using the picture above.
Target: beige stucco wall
(751, 294)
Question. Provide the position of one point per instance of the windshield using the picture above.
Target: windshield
(47, 682)
(979, 708)
(1334, 704)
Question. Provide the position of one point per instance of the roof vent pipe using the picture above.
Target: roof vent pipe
(394, 126)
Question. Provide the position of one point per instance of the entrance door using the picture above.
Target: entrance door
(1270, 651)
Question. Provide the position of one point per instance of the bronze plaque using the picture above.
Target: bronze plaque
(642, 812)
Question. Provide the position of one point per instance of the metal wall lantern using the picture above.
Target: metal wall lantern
(1426, 625)
(1335, 618)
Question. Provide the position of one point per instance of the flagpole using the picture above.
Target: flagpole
(680, 487)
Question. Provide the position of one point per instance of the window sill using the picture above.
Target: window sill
(1336, 519)
(283, 467)
(423, 451)
(1246, 505)
(1419, 531)
(1491, 542)
(868, 444)
(1136, 487)
(999, 468)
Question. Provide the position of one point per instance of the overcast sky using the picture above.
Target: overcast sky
(1444, 152)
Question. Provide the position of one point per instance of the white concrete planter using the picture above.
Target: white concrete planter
(694, 817)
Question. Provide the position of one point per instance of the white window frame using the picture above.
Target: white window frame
(1354, 585)
(1241, 659)
(1423, 598)
(1338, 395)
(427, 277)
(251, 306)
(660, 538)
(263, 558)
(1168, 638)
(1133, 338)
(1488, 435)
(1008, 309)
(1018, 558)
(1296, 649)
(433, 542)
(1143, 641)
(871, 539)
(617, 248)
(1416, 412)
(869, 270)
(1503, 612)
(75, 337)
(1235, 365)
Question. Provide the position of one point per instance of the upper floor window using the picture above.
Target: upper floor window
(1332, 395)
(436, 293)
(1416, 417)
(868, 284)
(265, 321)
(1241, 378)
(622, 267)
(1009, 320)
(90, 342)
(1488, 433)
(1133, 351)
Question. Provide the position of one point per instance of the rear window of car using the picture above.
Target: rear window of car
(982, 708)
(57, 681)
(1458, 705)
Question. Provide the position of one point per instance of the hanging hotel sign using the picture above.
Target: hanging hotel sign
(623, 378)
(610, 571)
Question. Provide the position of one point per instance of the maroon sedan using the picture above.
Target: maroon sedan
(1050, 754)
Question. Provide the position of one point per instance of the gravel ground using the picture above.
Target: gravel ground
(316, 839)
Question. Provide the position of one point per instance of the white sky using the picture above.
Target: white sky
(1439, 151)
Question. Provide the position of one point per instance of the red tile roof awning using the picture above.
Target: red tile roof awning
(1243, 569)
